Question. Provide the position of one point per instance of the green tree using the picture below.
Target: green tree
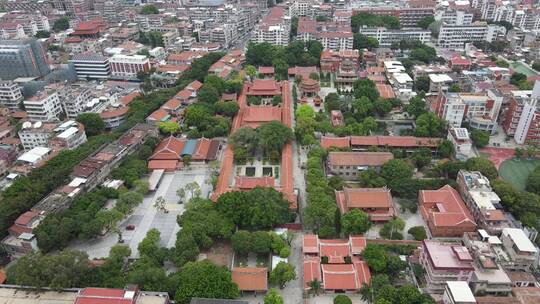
(429, 125)
(169, 127)
(421, 83)
(484, 165)
(361, 42)
(417, 106)
(375, 257)
(355, 222)
(261, 242)
(365, 87)
(342, 299)
(185, 249)
(480, 138)
(425, 22)
(93, 124)
(536, 65)
(418, 233)
(66, 269)
(149, 10)
(446, 148)
(229, 108)
(149, 247)
(336, 182)
(61, 24)
(208, 94)
(273, 297)
(393, 228)
(242, 242)
(42, 34)
(273, 136)
(251, 71)
(283, 273)
(305, 111)
(396, 169)
(315, 287)
(204, 280)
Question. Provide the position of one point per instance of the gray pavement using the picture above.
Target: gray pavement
(146, 216)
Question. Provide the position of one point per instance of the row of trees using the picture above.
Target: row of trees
(367, 19)
(297, 53)
(244, 242)
(85, 218)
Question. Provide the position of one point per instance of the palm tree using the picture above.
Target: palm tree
(367, 293)
(315, 287)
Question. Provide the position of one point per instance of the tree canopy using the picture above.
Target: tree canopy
(204, 280)
(355, 222)
(93, 124)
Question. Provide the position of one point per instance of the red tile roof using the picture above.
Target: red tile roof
(266, 70)
(340, 277)
(126, 100)
(169, 149)
(444, 208)
(246, 183)
(167, 165)
(114, 113)
(264, 87)
(362, 198)
(310, 244)
(335, 250)
(312, 271)
(103, 296)
(25, 218)
(158, 115)
(250, 278)
(194, 85)
(338, 142)
(385, 91)
(371, 159)
(395, 141)
(171, 105)
(254, 116)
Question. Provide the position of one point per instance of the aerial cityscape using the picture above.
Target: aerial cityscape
(269, 151)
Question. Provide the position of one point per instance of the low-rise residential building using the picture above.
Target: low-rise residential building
(445, 213)
(483, 202)
(407, 144)
(445, 262)
(10, 95)
(127, 66)
(91, 66)
(274, 28)
(326, 262)
(479, 109)
(21, 240)
(349, 165)
(462, 142)
(522, 253)
(43, 106)
(332, 35)
(458, 292)
(386, 37)
(120, 296)
(455, 36)
(376, 202)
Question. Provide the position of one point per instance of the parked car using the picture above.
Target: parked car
(130, 227)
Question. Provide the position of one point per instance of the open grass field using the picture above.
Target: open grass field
(515, 171)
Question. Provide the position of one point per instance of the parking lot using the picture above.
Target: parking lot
(146, 216)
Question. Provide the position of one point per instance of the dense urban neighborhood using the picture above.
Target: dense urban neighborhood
(269, 151)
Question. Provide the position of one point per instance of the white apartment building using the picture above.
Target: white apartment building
(454, 17)
(76, 101)
(304, 8)
(332, 35)
(127, 66)
(91, 66)
(525, 112)
(386, 37)
(455, 36)
(10, 95)
(458, 292)
(68, 135)
(36, 134)
(44, 106)
(521, 251)
(274, 28)
(479, 109)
